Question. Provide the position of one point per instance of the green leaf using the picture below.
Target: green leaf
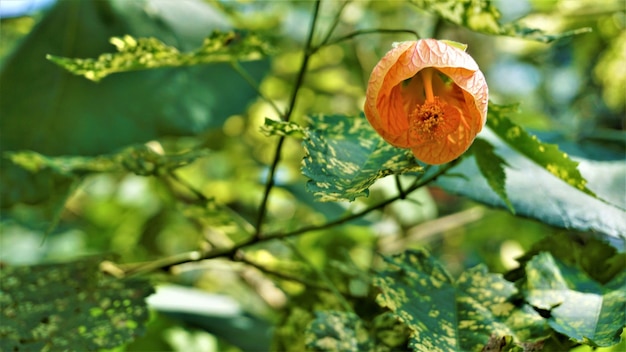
(595, 315)
(491, 166)
(445, 315)
(69, 306)
(545, 155)
(150, 53)
(33, 178)
(337, 331)
(481, 16)
(597, 259)
(344, 156)
(281, 128)
(74, 116)
(536, 193)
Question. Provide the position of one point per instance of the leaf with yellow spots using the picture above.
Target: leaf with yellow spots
(545, 155)
(482, 16)
(344, 157)
(69, 306)
(448, 315)
(337, 331)
(578, 307)
(149, 53)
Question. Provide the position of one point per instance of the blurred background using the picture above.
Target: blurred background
(571, 90)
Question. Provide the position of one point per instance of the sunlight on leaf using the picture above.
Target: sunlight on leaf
(593, 314)
(481, 16)
(344, 157)
(69, 306)
(150, 53)
(445, 315)
(281, 128)
(545, 155)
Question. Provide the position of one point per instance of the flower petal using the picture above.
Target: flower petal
(397, 87)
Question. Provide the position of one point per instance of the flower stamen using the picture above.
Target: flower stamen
(427, 79)
(425, 118)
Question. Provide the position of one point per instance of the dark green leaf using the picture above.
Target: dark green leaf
(594, 316)
(51, 111)
(481, 16)
(150, 53)
(337, 331)
(344, 157)
(69, 306)
(444, 315)
(491, 166)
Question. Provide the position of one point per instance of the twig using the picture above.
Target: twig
(294, 96)
(370, 31)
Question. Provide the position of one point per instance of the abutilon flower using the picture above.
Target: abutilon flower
(428, 96)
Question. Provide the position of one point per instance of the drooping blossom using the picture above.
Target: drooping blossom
(428, 96)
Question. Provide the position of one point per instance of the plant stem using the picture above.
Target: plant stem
(253, 240)
(294, 96)
(368, 31)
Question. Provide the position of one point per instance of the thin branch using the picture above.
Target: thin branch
(253, 240)
(370, 31)
(294, 96)
(332, 26)
(281, 275)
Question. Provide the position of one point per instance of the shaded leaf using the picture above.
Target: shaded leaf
(482, 16)
(69, 306)
(337, 331)
(445, 315)
(32, 178)
(595, 258)
(53, 112)
(149, 53)
(491, 166)
(344, 157)
(594, 315)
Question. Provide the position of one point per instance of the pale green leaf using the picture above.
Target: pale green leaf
(481, 16)
(344, 156)
(149, 53)
(448, 315)
(69, 306)
(578, 308)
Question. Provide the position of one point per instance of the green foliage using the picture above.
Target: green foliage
(337, 331)
(54, 112)
(445, 315)
(52, 176)
(164, 165)
(545, 155)
(578, 308)
(491, 166)
(150, 53)
(69, 306)
(344, 157)
(482, 16)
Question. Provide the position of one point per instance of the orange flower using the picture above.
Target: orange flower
(429, 96)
